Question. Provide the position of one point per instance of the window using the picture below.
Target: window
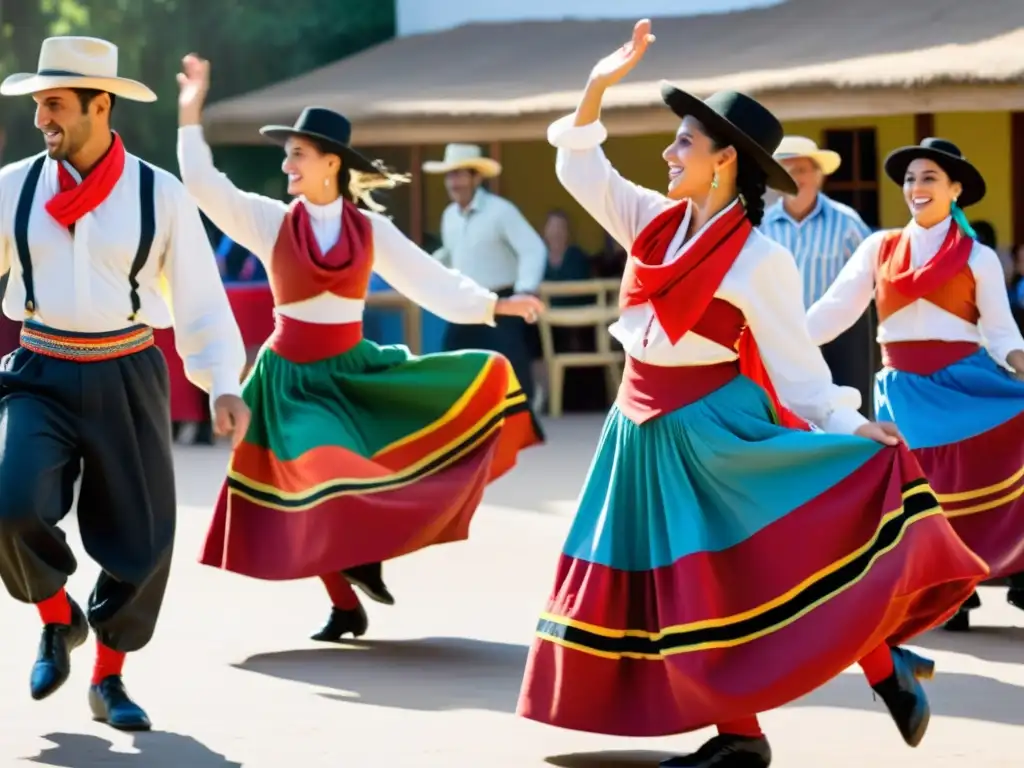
(856, 181)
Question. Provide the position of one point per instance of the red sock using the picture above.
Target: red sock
(56, 609)
(108, 662)
(747, 726)
(877, 665)
(343, 597)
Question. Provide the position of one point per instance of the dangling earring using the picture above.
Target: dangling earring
(327, 182)
(714, 181)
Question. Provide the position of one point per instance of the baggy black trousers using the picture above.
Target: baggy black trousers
(112, 420)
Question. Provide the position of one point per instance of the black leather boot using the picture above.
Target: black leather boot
(905, 698)
(961, 621)
(53, 661)
(341, 623)
(111, 704)
(726, 751)
(369, 578)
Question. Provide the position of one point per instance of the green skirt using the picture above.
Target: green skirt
(364, 456)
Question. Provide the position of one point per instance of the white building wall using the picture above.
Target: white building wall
(417, 16)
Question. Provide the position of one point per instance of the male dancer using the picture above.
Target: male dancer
(89, 232)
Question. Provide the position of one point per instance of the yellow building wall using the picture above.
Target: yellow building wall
(529, 170)
(891, 132)
(985, 139)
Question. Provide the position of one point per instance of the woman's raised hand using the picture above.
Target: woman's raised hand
(612, 68)
(193, 85)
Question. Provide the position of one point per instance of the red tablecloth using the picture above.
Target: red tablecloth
(253, 306)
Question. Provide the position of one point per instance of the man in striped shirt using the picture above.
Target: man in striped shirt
(822, 235)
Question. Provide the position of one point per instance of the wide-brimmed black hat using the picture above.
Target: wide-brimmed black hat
(327, 127)
(948, 157)
(740, 121)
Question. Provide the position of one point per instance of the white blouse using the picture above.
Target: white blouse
(253, 221)
(851, 293)
(763, 283)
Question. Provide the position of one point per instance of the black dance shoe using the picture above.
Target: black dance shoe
(921, 667)
(111, 704)
(1015, 597)
(53, 661)
(369, 578)
(905, 698)
(341, 623)
(726, 751)
(961, 621)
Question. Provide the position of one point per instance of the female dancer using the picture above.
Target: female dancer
(720, 564)
(953, 354)
(356, 453)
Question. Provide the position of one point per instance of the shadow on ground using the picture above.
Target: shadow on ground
(158, 749)
(431, 674)
(1001, 645)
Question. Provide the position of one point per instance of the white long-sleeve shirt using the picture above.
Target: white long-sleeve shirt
(492, 242)
(853, 290)
(254, 221)
(81, 280)
(763, 283)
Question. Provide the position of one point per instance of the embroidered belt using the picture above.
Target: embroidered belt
(85, 347)
(925, 357)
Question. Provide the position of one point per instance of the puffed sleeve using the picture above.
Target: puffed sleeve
(797, 369)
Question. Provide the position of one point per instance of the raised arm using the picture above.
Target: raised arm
(795, 364)
(1002, 336)
(621, 207)
(848, 297)
(446, 293)
(249, 219)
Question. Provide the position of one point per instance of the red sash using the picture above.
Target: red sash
(681, 292)
(75, 200)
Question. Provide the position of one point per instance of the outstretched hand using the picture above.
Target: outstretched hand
(193, 84)
(521, 305)
(612, 68)
(882, 432)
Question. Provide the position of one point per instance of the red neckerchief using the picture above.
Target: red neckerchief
(681, 292)
(351, 247)
(918, 283)
(75, 200)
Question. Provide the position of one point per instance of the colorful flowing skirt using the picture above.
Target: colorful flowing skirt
(721, 565)
(362, 457)
(965, 425)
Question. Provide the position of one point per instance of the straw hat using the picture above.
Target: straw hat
(464, 156)
(793, 147)
(76, 62)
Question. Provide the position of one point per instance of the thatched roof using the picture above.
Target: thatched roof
(804, 58)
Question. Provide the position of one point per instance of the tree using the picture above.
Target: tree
(251, 45)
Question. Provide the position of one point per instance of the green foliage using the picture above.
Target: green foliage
(249, 44)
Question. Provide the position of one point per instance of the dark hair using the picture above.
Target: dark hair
(86, 95)
(751, 181)
(358, 186)
(985, 231)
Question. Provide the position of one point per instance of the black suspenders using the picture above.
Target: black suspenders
(147, 231)
(21, 216)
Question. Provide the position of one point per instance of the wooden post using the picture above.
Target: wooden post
(924, 126)
(416, 194)
(1017, 174)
